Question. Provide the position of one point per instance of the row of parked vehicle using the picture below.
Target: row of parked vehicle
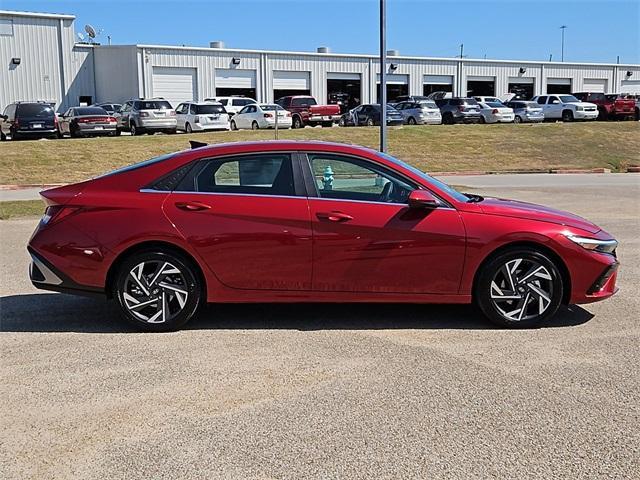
(38, 119)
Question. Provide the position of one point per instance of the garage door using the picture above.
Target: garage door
(233, 78)
(175, 84)
(630, 86)
(396, 79)
(595, 85)
(285, 80)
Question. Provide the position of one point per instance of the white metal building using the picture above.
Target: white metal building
(53, 67)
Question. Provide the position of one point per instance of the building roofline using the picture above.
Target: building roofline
(15, 13)
(389, 58)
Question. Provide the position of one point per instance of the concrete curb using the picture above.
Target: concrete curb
(552, 171)
(32, 185)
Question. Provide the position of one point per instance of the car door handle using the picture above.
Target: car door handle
(334, 216)
(192, 206)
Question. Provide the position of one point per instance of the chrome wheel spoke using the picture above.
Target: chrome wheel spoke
(521, 289)
(155, 291)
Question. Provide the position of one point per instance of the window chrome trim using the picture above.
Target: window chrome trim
(297, 197)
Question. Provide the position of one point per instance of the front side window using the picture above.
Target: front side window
(262, 174)
(569, 99)
(304, 101)
(346, 178)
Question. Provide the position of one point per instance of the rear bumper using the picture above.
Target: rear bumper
(44, 132)
(200, 127)
(45, 276)
(158, 124)
(96, 129)
(324, 118)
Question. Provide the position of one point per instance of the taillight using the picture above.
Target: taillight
(55, 213)
(268, 115)
(494, 111)
(111, 119)
(144, 114)
(288, 114)
(461, 108)
(172, 113)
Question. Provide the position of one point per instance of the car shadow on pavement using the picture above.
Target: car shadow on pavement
(52, 312)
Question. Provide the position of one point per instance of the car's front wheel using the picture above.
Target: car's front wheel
(233, 125)
(157, 290)
(520, 287)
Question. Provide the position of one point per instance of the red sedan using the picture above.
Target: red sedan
(309, 222)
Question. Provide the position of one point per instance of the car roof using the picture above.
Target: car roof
(293, 145)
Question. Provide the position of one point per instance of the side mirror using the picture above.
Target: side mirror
(555, 102)
(422, 199)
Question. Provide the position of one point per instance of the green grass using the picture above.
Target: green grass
(545, 146)
(22, 208)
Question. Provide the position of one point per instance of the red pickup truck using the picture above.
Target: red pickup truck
(306, 111)
(610, 105)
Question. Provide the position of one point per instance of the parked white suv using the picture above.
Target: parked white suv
(232, 104)
(566, 107)
(200, 116)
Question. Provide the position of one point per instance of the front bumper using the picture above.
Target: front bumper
(585, 115)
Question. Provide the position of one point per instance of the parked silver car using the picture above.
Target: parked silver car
(146, 116)
(424, 112)
(526, 111)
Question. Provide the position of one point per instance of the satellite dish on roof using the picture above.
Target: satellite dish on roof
(90, 31)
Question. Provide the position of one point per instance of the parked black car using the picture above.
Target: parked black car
(369, 115)
(28, 120)
(459, 110)
(86, 122)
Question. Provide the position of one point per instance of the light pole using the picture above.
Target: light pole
(383, 76)
(563, 27)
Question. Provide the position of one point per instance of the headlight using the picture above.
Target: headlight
(602, 246)
(579, 108)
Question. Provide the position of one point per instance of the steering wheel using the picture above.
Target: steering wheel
(387, 191)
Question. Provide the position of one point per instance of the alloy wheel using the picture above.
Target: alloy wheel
(155, 291)
(522, 289)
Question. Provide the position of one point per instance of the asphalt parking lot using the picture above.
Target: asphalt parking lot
(328, 391)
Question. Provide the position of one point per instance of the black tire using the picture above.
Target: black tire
(233, 125)
(567, 116)
(171, 131)
(517, 119)
(412, 121)
(3, 137)
(370, 122)
(255, 126)
(134, 129)
(118, 132)
(447, 119)
(637, 115)
(187, 128)
(602, 114)
(297, 122)
(73, 133)
(493, 303)
(482, 120)
(179, 308)
(342, 122)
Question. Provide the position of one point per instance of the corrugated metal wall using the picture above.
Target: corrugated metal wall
(50, 68)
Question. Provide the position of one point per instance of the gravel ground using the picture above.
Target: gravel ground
(324, 391)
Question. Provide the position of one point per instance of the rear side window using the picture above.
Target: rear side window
(241, 102)
(204, 109)
(154, 105)
(37, 110)
(263, 174)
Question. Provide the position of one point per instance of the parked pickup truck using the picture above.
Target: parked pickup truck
(610, 105)
(306, 111)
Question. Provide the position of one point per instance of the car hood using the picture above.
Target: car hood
(531, 211)
(582, 104)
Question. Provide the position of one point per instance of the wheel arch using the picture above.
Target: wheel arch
(539, 247)
(149, 246)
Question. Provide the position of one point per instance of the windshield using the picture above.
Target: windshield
(159, 105)
(427, 178)
(568, 99)
(428, 104)
(269, 108)
(469, 101)
(138, 165)
(90, 111)
(37, 110)
(202, 109)
(613, 97)
(531, 105)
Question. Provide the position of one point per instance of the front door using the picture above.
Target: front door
(367, 239)
(248, 219)
(553, 108)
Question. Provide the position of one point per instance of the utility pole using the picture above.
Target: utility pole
(563, 28)
(550, 56)
(461, 50)
(383, 76)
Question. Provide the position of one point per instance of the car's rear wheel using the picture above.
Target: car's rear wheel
(233, 125)
(482, 120)
(370, 122)
(255, 126)
(342, 122)
(134, 129)
(411, 121)
(517, 119)
(297, 122)
(520, 287)
(157, 290)
(448, 119)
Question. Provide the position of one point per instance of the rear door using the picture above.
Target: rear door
(366, 239)
(247, 217)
